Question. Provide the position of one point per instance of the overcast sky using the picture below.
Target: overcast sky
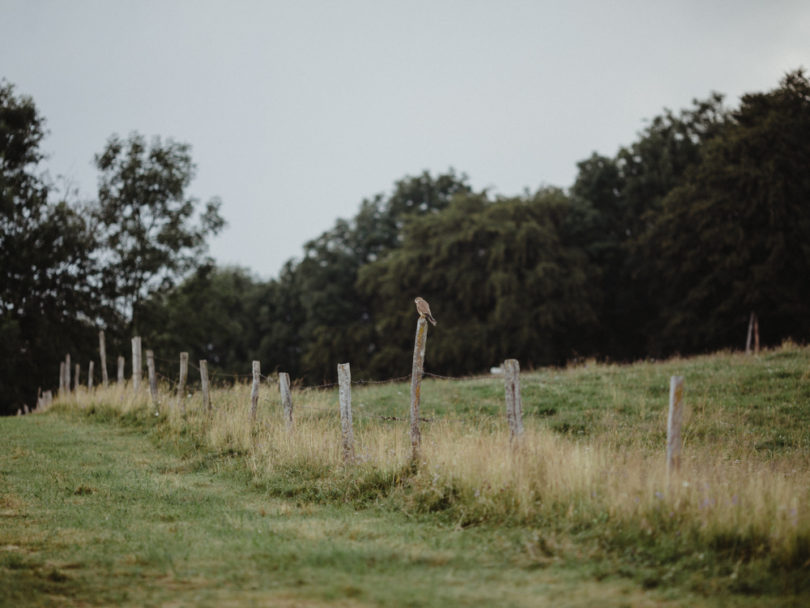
(298, 110)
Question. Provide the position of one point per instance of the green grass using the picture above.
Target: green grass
(97, 515)
(104, 503)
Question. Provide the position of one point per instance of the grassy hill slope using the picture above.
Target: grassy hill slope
(581, 509)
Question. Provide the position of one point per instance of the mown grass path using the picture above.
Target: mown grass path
(95, 514)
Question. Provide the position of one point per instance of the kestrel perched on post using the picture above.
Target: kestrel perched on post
(423, 308)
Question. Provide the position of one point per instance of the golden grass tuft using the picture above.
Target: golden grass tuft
(724, 495)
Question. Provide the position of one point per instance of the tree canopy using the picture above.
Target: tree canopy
(665, 247)
(145, 219)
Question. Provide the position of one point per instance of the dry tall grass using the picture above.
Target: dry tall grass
(753, 505)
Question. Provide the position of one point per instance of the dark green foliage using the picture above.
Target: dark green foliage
(145, 219)
(735, 237)
(68, 269)
(500, 280)
(337, 322)
(46, 271)
(665, 247)
(615, 199)
(212, 315)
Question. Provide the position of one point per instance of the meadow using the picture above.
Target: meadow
(585, 492)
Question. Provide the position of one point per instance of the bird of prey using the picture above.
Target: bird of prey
(423, 308)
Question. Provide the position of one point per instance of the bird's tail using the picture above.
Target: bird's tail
(431, 319)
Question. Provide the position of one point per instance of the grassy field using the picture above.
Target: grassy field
(104, 502)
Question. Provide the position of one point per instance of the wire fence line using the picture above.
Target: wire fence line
(344, 384)
(235, 376)
(510, 372)
(267, 399)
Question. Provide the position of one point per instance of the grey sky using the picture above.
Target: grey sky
(298, 110)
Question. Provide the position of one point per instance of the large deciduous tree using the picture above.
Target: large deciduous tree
(336, 321)
(46, 272)
(151, 230)
(501, 280)
(735, 236)
(615, 202)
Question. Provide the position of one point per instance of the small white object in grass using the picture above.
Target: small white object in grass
(495, 370)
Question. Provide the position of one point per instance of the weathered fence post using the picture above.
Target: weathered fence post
(150, 365)
(753, 332)
(345, 392)
(514, 409)
(674, 424)
(67, 373)
(62, 377)
(137, 364)
(102, 354)
(90, 375)
(204, 381)
(181, 384)
(254, 392)
(416, 384)
(286, 398)
(76, 378)
(121, 363)
(750, 333)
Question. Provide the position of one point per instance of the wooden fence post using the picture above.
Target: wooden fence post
(76, 378)
(416, 384)
(204, 380)
(90, 375)
(181, 384)
(756, 335)
(345, 392)
(102, 354)
(286, 398)
(137, 365)
(254, 392)
(61, 377)
(514, 408)
(67, 373)
(674, 424)
(150, 365)
(750, 333)
(121, 363)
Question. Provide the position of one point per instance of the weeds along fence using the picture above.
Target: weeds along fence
(314, 439)
(510, 371)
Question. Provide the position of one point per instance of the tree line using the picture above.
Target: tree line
(665, 247)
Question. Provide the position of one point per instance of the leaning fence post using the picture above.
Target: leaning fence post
(90, 375)
(181, 384)
(137, 364)
(416, 384)
(150, 365)
(674, 424)
(514, 409)
(345, 392)
(286, 398)
(204, 381)
(254, 392)
(121, 363)
(102, 354)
